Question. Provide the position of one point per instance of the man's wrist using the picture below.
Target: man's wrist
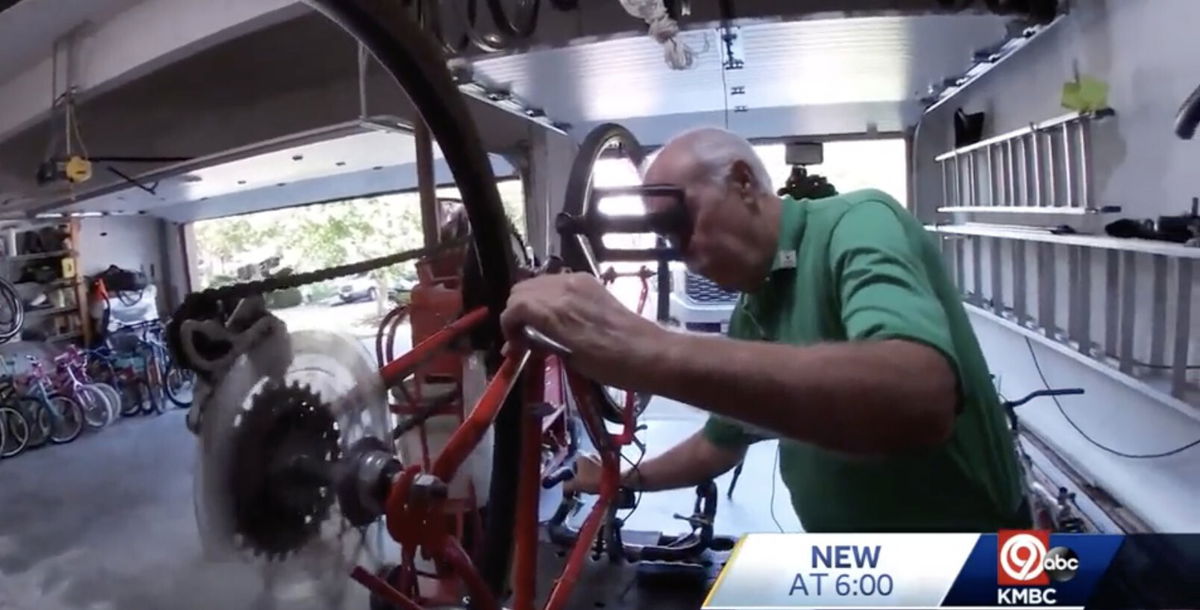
(632, 479)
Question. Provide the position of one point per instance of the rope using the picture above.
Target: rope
(663, 29)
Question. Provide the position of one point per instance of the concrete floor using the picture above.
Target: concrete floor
(106, 522)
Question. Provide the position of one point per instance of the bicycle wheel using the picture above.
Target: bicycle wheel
(132, 394)
(114, 399)
(97, 411)
(14, 432)
(582, 253)
(144, 398)
(66, 418)
(179, 385)
(12, 312)
(38, 417)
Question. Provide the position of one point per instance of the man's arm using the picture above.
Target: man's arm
(687, 464)
(867, 397)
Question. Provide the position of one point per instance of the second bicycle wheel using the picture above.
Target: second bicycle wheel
(66, 419)
(14, 432)
(97, 411)
(179, 383)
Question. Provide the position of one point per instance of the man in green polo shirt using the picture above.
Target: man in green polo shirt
(850, 344)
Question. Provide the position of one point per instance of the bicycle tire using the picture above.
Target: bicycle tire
(150, 399)
(179, 393)
(97, 412)
(114, 399)
(14, 432)
(416, 63)
(38, 417)
(10, 301)
(577, 250)
(66, 416)
(131, 396)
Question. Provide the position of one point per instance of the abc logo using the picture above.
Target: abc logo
(1061, 564)
(1024, 560)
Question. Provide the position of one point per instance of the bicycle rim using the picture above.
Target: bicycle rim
(14, 432)
(131, 397)
(114, 400)
(38, 417)
(66, 417)
(179, 385)
(577, 250)
(96, 410)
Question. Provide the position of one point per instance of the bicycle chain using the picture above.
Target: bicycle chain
(218, 303)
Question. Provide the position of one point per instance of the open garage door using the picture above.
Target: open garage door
(305, 238)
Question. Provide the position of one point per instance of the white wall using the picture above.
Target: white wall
(550, 157)
(1146, 51)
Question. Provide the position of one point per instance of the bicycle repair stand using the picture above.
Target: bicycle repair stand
(642, 569)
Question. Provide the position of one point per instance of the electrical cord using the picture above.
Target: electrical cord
(1132, 456)
(774, 472)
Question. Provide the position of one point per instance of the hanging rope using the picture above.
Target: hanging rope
(663, 29)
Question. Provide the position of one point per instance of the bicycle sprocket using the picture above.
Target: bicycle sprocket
(285, 446)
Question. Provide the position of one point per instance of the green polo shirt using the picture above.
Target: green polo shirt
(866, 270)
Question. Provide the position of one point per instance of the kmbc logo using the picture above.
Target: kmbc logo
(1025, 558)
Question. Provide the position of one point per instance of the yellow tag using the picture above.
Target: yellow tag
(78, 169)
(68, 267)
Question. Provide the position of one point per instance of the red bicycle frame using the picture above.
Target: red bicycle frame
(413, 517)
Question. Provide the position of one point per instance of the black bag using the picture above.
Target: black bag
(117, 279)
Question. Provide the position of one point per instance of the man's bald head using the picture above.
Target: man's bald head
(727, 192)
(706, 153)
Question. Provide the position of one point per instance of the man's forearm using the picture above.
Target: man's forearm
(868, 397)
(687, 464)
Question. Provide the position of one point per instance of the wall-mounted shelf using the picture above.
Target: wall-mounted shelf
(51, 311)
(1026, 274)
(75, 334)
(73, 319)
(21, 258)
(1044, 168)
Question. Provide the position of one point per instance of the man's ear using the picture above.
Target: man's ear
(743, 180)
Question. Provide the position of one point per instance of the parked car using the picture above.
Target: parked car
(698, 304)
(358, 288)
(400, 290)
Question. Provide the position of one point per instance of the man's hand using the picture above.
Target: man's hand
(608, 342)
(587, 475)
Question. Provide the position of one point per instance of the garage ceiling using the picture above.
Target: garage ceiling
(341, 162)
(858, 62)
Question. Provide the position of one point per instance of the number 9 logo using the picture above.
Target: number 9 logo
(1022, 557)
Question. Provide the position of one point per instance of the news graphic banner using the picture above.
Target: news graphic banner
(1025, 568)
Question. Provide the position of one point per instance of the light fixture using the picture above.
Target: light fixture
(51, 215)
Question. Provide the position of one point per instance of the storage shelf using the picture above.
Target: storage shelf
(1003, 209)
(51, 311)
(75, 334)
(39, 255)
(1036, 234)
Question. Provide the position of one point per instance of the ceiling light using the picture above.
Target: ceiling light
(50, 215)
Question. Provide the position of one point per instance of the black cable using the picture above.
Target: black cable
(1132, 456)
(637, 501)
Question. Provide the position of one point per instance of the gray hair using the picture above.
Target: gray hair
(716, 150)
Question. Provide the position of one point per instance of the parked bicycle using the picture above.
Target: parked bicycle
(100, 402)
(62, 415)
